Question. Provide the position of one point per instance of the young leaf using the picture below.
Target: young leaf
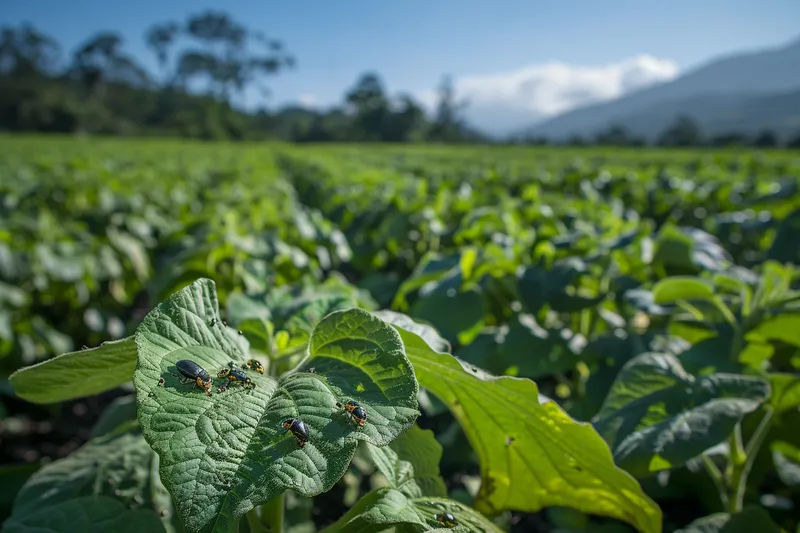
(784, 327)
(77, 374)
(411, 463)
(785, 391)
(380, 509)
(532, 455)
(416, 492)
(676, 288)
(224, 454)
(658, 416)
(90, 514)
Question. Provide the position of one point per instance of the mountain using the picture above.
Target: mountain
(727, 92)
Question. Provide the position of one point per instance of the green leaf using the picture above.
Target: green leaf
(671, 290)
(411, 463)
(416, 491)
(459, 315)
(787, 462)
(785, 392)
(120, 412)
(538, 287)
(784, 327)
(378, 510)
(532, 455)
(90, 514)
(77, 374)
(658, 416)
(750, 519)
(120, 467)
(222, 455)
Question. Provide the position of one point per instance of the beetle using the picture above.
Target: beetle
(446, 519)
(191, 371)
(358, 413)
(235, 375)
(298, 428)
(252, 364)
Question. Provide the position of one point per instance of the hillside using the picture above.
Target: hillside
(717, 90)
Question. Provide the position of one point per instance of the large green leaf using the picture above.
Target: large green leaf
(416, 492)
(77, 374)
(120, 466)
(532, 454)
(658, 416)
(221, 455)
(89, 514)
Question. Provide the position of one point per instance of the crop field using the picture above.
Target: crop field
(529, 339)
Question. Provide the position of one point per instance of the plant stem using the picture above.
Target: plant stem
(254, 521)
(739, 482)
(272, 515)
(742, 460)
(716, 477)
(737, 462)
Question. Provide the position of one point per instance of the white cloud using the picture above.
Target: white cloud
(503, 101)
(307, 100)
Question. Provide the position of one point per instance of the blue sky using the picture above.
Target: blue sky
(413, 42)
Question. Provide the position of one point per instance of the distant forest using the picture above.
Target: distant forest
(206, 63)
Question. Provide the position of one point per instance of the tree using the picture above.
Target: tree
(25, 52)
(576, 140)
(766, 139)
(407, 121)
(101, 60)
(729, 139)
(225, 55)
(617, 135)
(369, 105)
(683, 132)
(794, 142)
(160, 38)
(447, 125)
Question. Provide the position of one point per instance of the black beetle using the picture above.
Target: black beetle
(252, 364)
(446, 519)
(236, 375)
(358, 413)
(298, 428)
(193, 372)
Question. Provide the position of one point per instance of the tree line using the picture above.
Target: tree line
(206, 63)
(683, 132)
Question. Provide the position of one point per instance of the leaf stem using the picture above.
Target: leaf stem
(716, 476)
(272, 515)
(742, 469)
(254, 521)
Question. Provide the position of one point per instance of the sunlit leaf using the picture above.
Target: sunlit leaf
(532, 454)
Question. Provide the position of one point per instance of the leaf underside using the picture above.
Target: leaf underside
(77, 374)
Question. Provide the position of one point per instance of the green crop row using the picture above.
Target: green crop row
(601, 340)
